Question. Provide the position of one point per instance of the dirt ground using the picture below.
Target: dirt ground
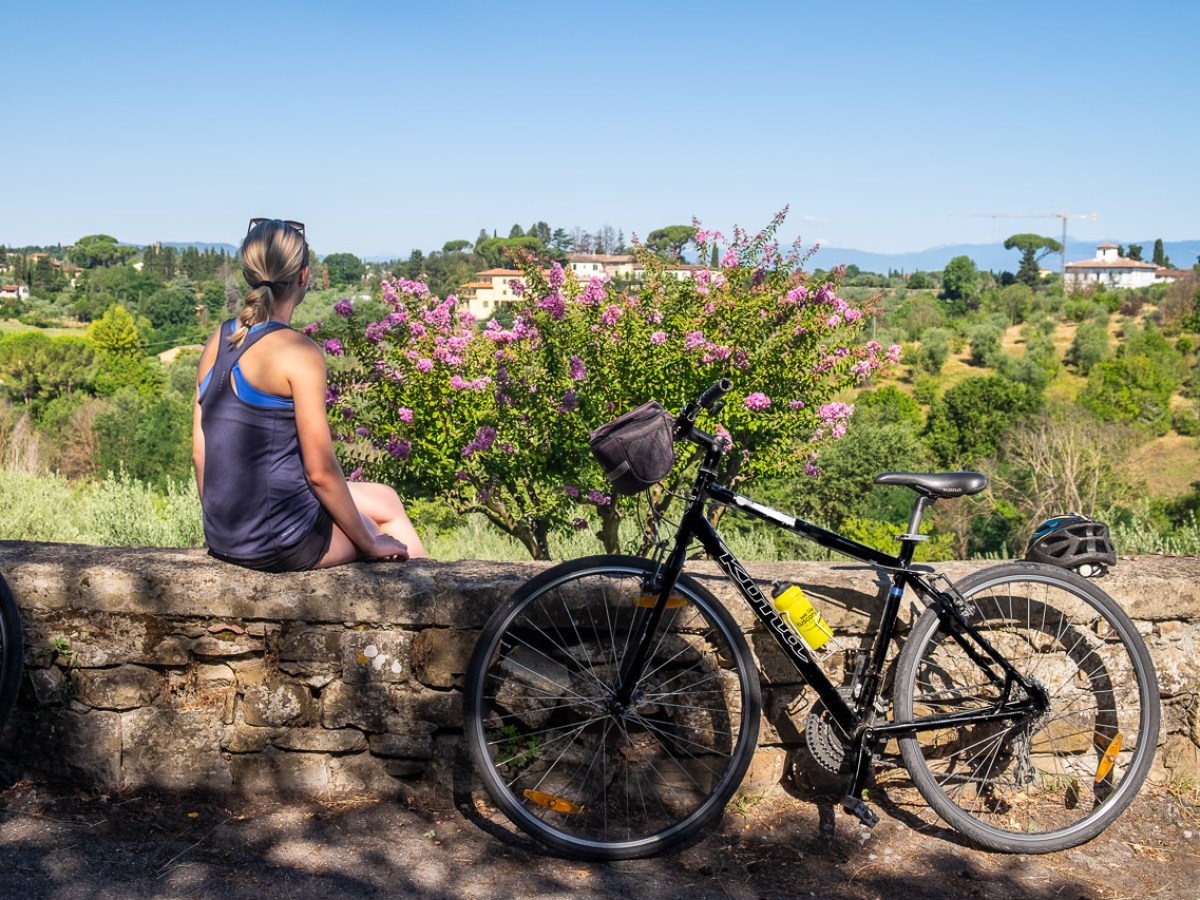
(68, 846)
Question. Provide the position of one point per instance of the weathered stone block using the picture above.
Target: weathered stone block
(402, 746)
(766, 769)
(80, 745)
(320, 740)
(245, 738)
(227, 644)
(311, 650)
(361, 774)
(376, 657)
(279, 774)
(46, 684)
(170, 650)
(277, 702)
(174, 749)
(440, 655)
(125, 687)
(365, 706)
(215, 677)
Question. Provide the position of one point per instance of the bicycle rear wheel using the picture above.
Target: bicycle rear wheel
(11, 650)
(1043, 783)
(557, 754)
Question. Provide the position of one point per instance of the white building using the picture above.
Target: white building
(492, 288)
(1109, 270)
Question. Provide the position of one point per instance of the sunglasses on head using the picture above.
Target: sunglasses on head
(254, 223)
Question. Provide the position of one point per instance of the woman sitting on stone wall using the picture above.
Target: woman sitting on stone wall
(273, 494)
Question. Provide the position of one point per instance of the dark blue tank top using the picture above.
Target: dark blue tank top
(257, 500)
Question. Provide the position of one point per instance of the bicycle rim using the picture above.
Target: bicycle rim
(1049, 781)
(562, 760)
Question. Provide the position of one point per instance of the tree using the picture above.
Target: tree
(1135, 252)
(1160, 257)
(561, 240)
(116, 334)
(960, 282)
(968, 421)
(345, 269)
(669, 242)
(541, 231)
(455, 246)
(1033, 248)
(516, 231)
(1136, 387)
(96, 250)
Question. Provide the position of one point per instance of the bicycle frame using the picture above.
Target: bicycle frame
(853, 719)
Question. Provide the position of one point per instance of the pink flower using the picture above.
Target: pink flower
(334, 347)
(424, 365)
(405, 414)
(797, 294)
(356, 475)
(612, 315)
(517, 286)
(893, 353)
(693, 340)
(375, 332)
(729, 260)
(833, 321)
(598, 498)
(311, 328)
(398, 449)
(343, 308)
(571, 491)
(485, 436)
(578, 369)
(579, 524)
(757, 402)
(556, 277)
(593, 294)
(659, 337)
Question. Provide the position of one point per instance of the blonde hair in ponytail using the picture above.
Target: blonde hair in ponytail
(272, 256)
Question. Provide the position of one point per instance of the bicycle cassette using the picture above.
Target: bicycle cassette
(824, 740)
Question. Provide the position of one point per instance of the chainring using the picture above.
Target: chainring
(823, 738)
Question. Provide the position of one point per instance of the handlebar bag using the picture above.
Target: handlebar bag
(637, 449)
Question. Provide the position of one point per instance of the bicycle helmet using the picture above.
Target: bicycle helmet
(1073, 542)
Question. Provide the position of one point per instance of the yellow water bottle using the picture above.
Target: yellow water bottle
(803, 617)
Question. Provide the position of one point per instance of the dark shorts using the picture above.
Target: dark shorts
(299, 557)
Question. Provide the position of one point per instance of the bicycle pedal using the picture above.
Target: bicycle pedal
(860, 810)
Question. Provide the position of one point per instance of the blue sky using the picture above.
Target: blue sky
(393, 126)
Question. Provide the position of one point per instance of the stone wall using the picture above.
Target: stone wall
(167, 669)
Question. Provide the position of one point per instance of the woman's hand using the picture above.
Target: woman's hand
(384, 546)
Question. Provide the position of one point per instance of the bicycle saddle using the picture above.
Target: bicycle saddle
(937, 484)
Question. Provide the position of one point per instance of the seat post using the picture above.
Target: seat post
(910, 538)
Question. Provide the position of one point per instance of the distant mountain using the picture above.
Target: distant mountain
(992, 257)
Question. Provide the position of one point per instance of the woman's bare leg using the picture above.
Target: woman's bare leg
(381, 510)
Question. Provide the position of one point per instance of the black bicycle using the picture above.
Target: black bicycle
(11, 651)
(612, 704)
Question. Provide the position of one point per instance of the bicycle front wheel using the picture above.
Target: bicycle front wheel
(11, 650)
(1040, 783)
(557, 753)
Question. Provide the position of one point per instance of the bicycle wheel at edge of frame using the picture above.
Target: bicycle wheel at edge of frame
(1148, 710)
(11, 650)
(475, 714)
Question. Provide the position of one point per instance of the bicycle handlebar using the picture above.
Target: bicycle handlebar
(685, 424)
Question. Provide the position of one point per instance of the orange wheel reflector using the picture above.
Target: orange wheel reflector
(673, 602)
(558, 804)
(1109, 759)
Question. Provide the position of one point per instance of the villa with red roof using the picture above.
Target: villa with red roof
(1111, 270)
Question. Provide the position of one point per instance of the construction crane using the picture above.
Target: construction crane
(1065, 216)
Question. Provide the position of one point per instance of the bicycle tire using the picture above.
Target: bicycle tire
(1042, 785)
(554, 754)
(11, 650)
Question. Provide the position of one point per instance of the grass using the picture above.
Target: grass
(12, 326)
(1168, 465)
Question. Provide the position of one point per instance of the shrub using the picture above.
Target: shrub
(495, 421)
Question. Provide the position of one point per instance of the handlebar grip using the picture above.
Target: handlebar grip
(715, 393)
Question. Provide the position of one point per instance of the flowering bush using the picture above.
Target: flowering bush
(496, 419)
